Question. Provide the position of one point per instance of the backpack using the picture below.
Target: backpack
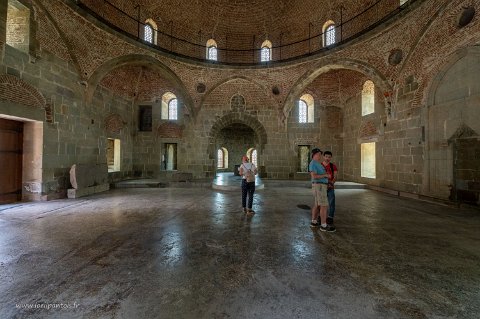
(249, 175)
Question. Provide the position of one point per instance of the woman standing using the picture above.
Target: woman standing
(247, 171)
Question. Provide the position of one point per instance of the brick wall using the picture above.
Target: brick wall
(428, 37)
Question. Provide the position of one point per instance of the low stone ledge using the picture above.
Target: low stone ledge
(76, 193)
(384, 190)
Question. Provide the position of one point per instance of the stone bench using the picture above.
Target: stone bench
(88, 179)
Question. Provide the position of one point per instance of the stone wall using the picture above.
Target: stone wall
(74, 133)
(93, 79)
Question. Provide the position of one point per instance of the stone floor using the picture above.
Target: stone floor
(191, 253)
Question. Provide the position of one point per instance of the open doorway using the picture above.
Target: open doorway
(466, 170)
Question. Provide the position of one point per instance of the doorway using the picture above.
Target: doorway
(11, 154)
(466, 170)
(170, 162)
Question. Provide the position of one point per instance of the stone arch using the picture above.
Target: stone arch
(451, 120)
(431, 89)
(228, 79)
(15, 90)
(334, 64)
(139, 60)
(236, 118)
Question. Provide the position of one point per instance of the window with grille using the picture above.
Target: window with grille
(306, 109)
(172, 109)
(252, 155)
(330, 35)
(302, 112)
(211, 50)
(148, 33)
(328, 30)
(169, 106)
(220, 159)
(368, 98)
(265, 52)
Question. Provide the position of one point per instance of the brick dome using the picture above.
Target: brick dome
(239, 29)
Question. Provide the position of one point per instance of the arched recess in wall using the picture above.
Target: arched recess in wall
(16, 90)
(236, 118)
(328, 65)
(139, 60)
(426, 46)
(452, 129)
(228, 79)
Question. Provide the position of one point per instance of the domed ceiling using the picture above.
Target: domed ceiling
(242, 17)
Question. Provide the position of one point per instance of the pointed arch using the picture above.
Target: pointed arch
(228, 79)
(142, 60)
(234, 118)
(333, 64)
(18, 91)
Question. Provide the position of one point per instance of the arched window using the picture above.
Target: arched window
(266, 51)
(328, 33)
(306, 109)
(150, 31)
(252, 155)
(220, 163)
(169, 106)
(211, 50)
(368, 98)
(172, 109)
(222, 158)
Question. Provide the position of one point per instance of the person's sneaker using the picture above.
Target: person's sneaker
(250, 212)
(245, 210)
(328, 228)
(314, 225)
(330, 221)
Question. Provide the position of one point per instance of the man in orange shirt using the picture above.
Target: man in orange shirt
(332, 171)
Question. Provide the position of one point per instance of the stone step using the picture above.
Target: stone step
(272, 183)
(225, 184)
(140, 183)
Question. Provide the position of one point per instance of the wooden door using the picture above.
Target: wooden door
(11, 153)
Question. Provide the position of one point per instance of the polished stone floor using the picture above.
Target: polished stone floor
(191, 253)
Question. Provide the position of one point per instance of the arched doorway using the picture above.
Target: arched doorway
(237, 133)
(236, 139)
